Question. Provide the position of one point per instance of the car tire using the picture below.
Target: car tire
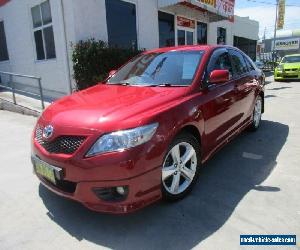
(180, 167)
(256, 115)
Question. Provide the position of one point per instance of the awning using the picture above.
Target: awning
(217, 9)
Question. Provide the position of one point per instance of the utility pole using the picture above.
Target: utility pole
(264, 46)
(275, 30)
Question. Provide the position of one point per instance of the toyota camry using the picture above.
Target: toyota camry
(143, 134)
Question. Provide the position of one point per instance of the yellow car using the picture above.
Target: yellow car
(288, 68)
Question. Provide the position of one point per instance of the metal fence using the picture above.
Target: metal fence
(268, 61)
(11, 86)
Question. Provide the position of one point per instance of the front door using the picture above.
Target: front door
(185, 36)
(218, 109)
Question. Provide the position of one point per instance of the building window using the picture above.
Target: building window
(221, 36)
(121, 24)
(166, 29)
(201, 33)
(248, 46)
(3, 45)
(43, 31)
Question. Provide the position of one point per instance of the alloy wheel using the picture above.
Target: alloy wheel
(179, 168)
(257, 112)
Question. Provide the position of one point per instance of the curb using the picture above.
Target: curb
(9, 106)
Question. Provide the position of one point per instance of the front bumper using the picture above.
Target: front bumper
(284, 75)
(138, 168)
(141, 193)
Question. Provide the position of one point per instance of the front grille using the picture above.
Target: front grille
(291, 70)
(291, 76)
(65, 186)
(65, 144)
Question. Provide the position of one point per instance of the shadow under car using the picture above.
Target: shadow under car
(222, 184)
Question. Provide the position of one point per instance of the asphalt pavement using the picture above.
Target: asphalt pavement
(251, 186)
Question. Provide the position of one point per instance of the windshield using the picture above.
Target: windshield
(174, 68)
(291, 59)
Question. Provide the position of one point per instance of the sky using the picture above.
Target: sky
(264, 12)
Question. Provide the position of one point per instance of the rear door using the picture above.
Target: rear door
(244, 88)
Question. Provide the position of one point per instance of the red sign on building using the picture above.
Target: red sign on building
(185, 22)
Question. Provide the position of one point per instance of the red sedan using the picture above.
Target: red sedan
(145, 132)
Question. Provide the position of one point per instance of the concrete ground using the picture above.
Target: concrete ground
(251, 186)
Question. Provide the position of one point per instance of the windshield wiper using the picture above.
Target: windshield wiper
(166, 85)
(121, 83)
(150, 85)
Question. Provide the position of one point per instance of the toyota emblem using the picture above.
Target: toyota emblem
(47, 132)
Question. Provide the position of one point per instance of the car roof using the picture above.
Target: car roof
(187, 48)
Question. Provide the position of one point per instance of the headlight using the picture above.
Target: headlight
(280, 68)
(120, 140)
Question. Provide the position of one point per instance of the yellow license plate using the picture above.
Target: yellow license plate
(45, 170)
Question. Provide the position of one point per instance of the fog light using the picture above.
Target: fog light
(111, 193)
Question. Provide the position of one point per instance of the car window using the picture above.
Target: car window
(220, 60)
(239, 63)
(174, 68)
(249, 64)
(291, 59)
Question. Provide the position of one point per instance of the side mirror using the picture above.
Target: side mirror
(111, 73)
(219, 76)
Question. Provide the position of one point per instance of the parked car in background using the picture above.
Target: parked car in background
(288, 68)
(145, 132)
(259, 64)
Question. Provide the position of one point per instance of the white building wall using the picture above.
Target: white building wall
(242, 27)
(16, 15)
(213, 31)
(245, 27)
(90, 21)
(147, 18)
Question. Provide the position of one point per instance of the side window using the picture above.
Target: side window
(220, 60)
(239, 62)
(249, 64)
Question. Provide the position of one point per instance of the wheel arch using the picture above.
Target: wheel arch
(193, 130)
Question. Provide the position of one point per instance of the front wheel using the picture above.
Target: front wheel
(257, 112)
(180, 167)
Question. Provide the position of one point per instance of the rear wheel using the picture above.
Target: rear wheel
(180, 167)
(257, 112)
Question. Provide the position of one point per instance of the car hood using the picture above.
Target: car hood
(110, 107)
